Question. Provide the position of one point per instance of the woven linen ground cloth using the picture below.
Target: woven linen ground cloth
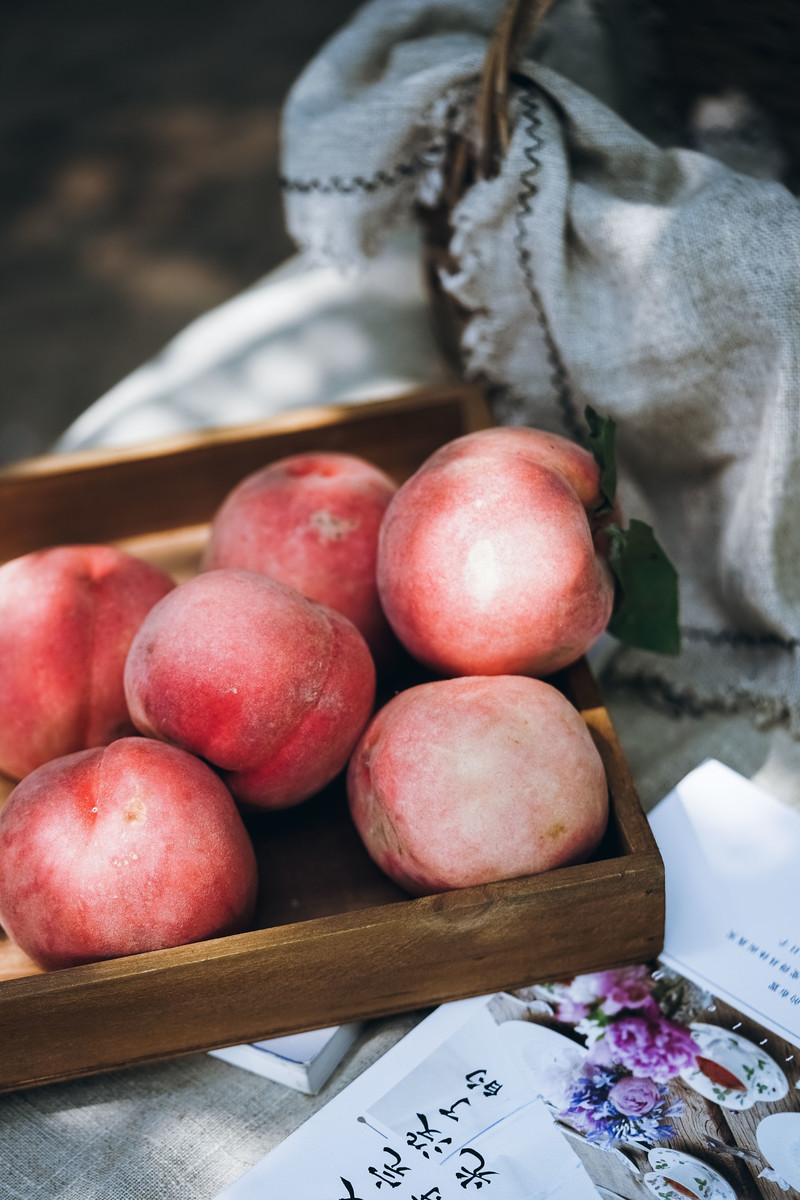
(656, 284)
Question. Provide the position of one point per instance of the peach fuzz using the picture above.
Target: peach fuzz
(312, 521)
(118, 850)
(490, 560)
(467, 781)
(67, 619)
(270, 687)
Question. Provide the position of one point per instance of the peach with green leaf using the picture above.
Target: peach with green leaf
(503, 554)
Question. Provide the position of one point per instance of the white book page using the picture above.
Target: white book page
(444, 1113)
(732, 860)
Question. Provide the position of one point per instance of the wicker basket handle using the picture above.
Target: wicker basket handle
(464, 163)
(511, 36)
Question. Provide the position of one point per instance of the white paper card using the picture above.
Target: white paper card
(732, 861)
(445, 1113)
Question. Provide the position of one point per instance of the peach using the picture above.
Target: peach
(270, 687)
(491, 557)
(122, 849)
(467, 781)
(312, 521)
(67, 620)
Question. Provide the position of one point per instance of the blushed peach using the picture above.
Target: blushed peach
(272, 688)
(467, 781)
(67, 619)
(491, 560)
(118, 850)
(312, 521)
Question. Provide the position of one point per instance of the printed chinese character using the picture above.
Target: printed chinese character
(433, 1194)
(472, 1082)
(350, 1193)
(423, 1139)
(449, 1112)
(476, 1175)
(392, 1173)
(489, 1089)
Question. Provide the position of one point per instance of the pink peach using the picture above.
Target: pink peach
(312, 521)
(67, 619)
(272, 688)
(467, 781)
(491, 558)
(117, 850)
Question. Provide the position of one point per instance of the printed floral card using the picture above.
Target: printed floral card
(672, 1093)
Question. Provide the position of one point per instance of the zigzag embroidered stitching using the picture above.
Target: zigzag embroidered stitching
(527, 193)
(346, 187)
(733, 637)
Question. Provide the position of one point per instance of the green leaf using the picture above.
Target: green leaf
(646, 608)
(601, 443)
(646, 605)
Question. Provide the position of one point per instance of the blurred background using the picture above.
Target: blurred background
(138, 182)
(139, 162)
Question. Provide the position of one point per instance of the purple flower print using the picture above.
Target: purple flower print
(609, 1108)
(621, 1095)
(658, 1049)
(570, 1011)
(634, 1097)
(627, 988)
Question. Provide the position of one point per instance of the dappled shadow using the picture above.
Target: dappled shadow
(138, 184)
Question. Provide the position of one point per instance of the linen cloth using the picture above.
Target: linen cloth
(598, 267)
(304, 335)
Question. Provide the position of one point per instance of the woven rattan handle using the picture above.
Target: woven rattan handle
(465, 162)
(511, 37)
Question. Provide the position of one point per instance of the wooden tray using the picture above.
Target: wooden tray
(339, 940)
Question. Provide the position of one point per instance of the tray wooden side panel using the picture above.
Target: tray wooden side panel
(108, 495)
(358, 965)
(636, 836)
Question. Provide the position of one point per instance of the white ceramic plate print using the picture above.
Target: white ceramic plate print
(746, 1076)
(694, 1178)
